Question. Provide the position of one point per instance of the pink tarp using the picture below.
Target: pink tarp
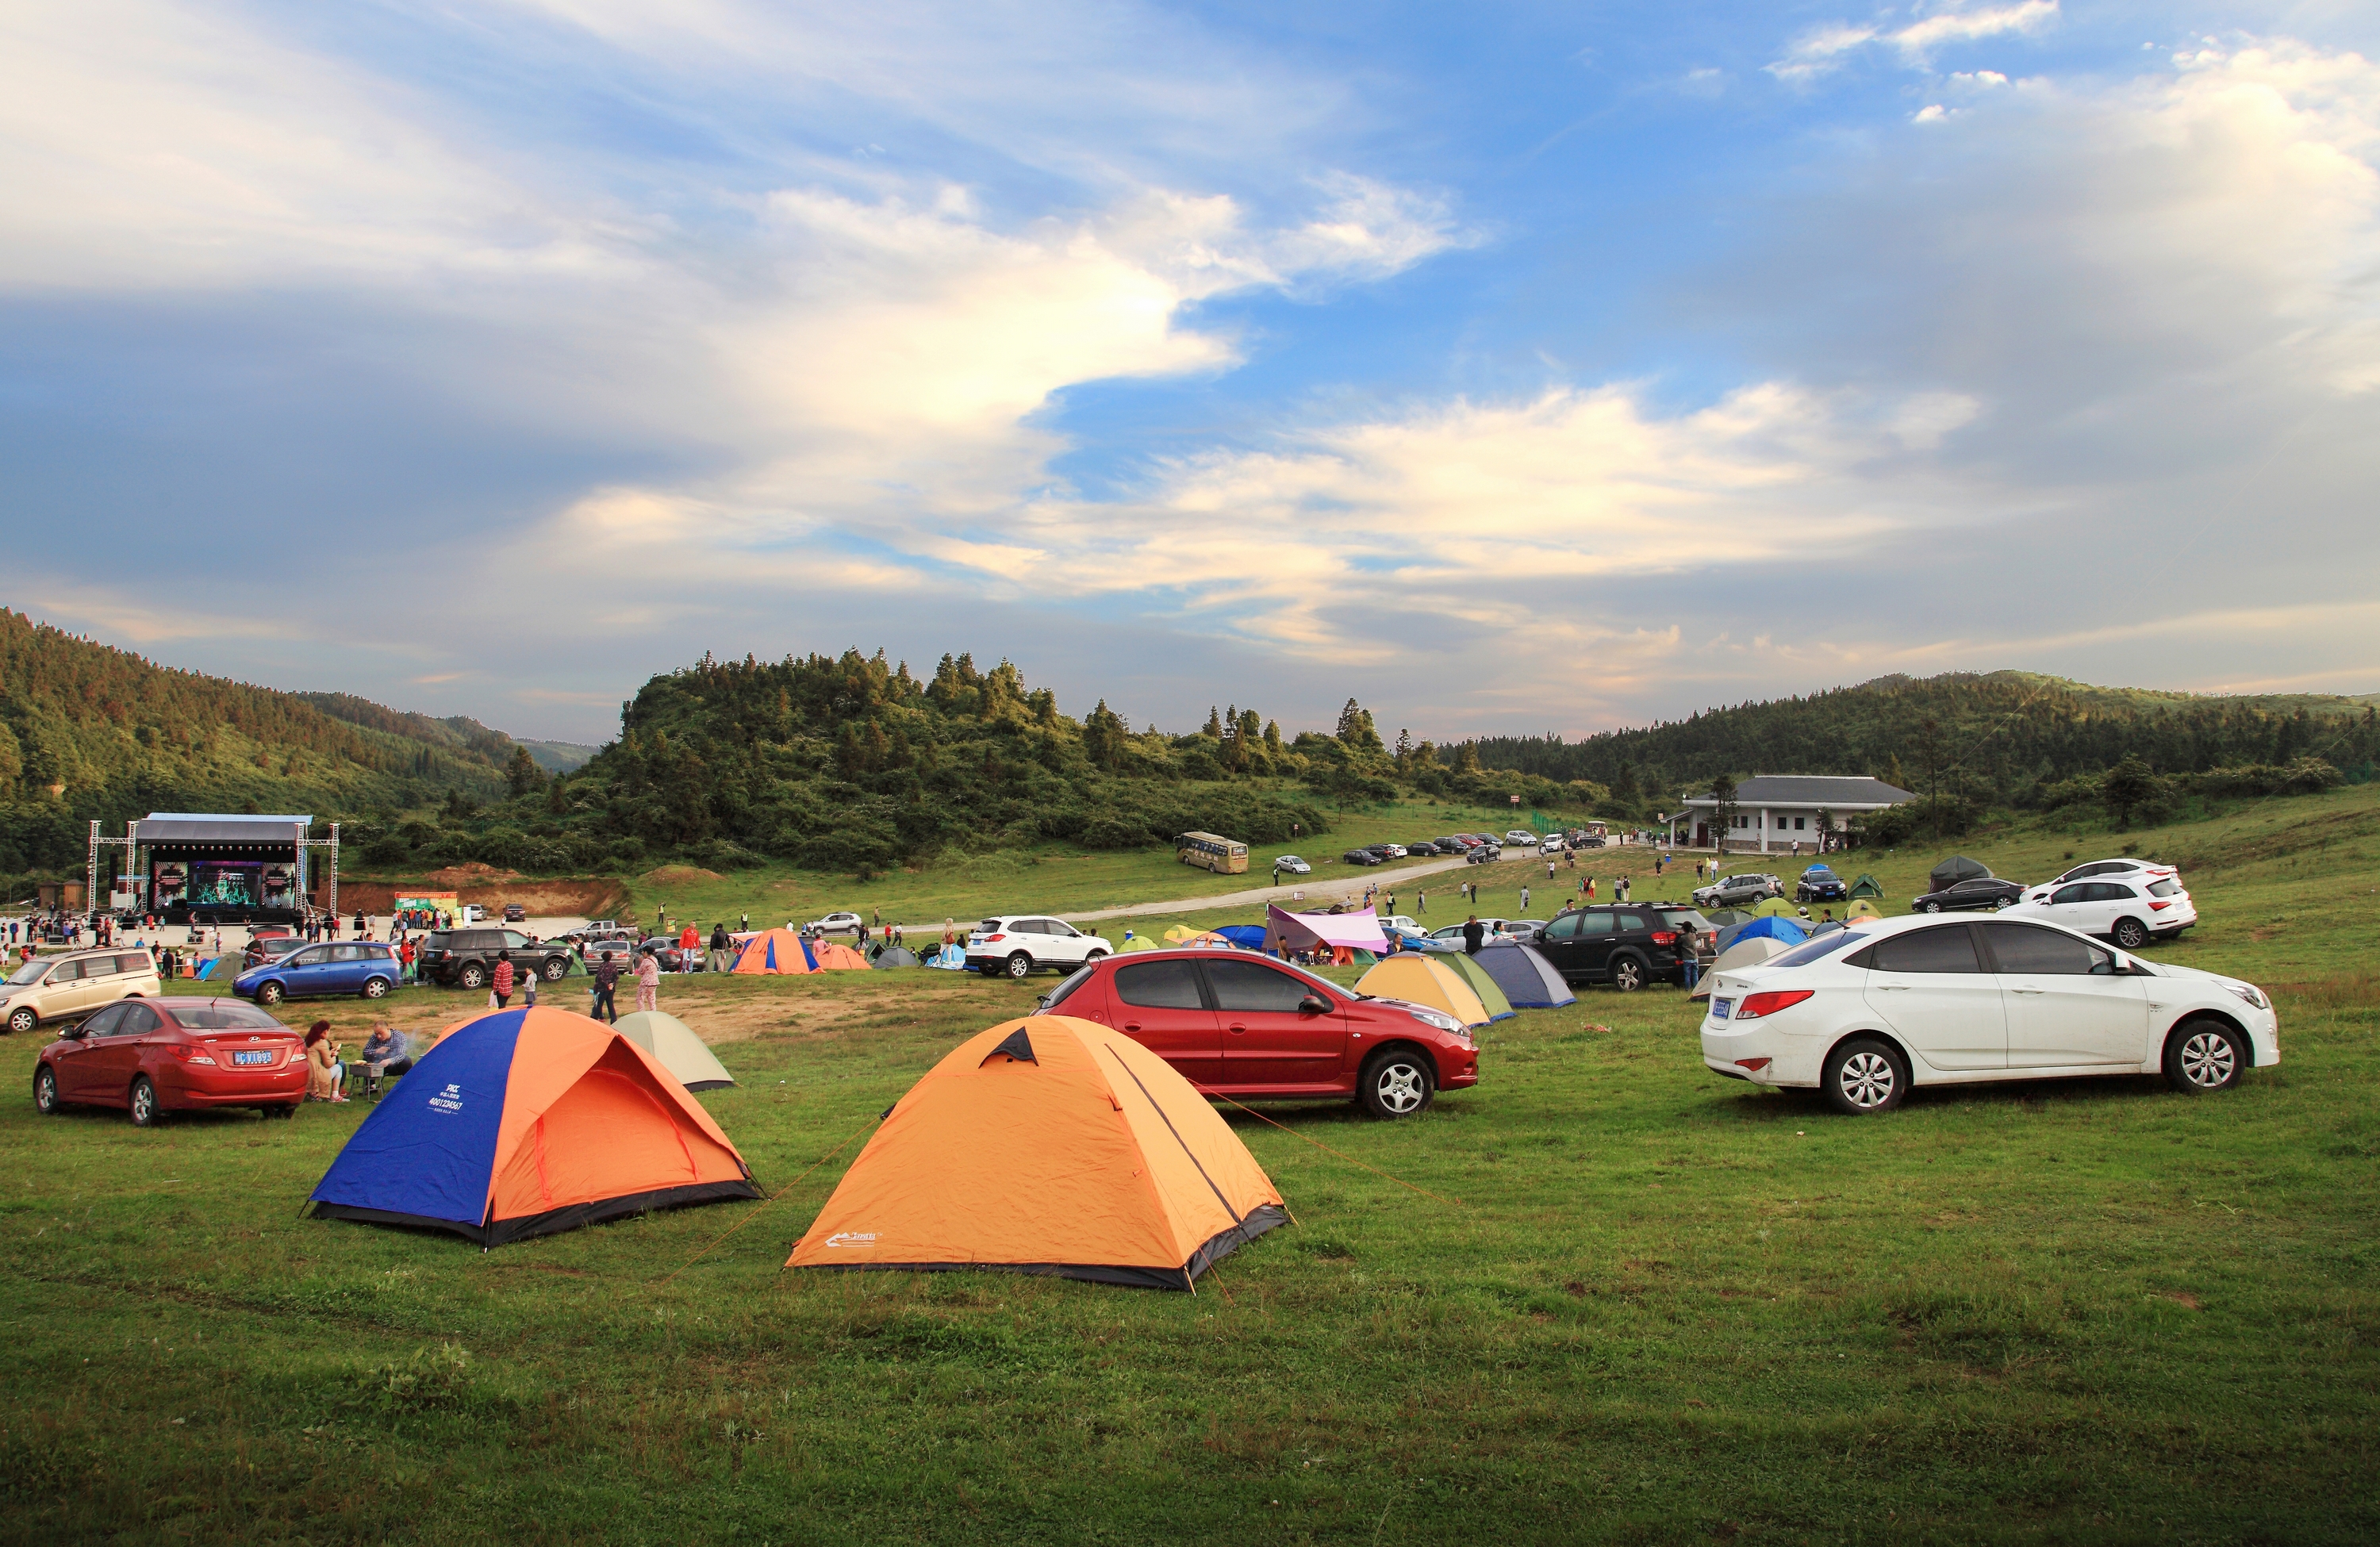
(1353, 931)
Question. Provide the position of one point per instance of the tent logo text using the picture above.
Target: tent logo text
(852, 1239)
(448, 1099)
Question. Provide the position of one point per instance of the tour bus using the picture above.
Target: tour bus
(1209, 852)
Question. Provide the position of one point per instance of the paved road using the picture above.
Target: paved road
(1352, 880)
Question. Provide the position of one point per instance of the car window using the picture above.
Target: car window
(515, 939)
(2164, 888)
(1059, 927)
(1948, 949)
(30, 973)
(313, 956)
(1159, 985)
(2110, 891)
(2079, 891)
(2029, 949)
(66, 972)
(1809, 951)
(1251, 988)
(104, 1023)
(1979, 885)
(220, 1016)
(138, 1021)
(346, 953)
(136, 961)
(1065, 991)
(990, 926)
(1563, 926)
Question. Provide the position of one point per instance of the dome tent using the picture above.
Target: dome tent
(1528, 980)
(1425, 980)
(524, 1122)
(1784, 930)
(1954, 870)
(1866, 888)
(687, 1058)
(896, 956)
(834, 956)
(1483, 983)
(1051, 1146)
(778, 952)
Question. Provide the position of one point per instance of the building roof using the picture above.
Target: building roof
(1810, 789)
(208, 827)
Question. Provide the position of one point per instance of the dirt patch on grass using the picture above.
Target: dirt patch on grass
(566, 896)
(678, 875)
(473, 873)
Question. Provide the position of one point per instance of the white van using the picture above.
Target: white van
(71, 986)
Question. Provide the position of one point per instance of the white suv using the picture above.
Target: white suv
(1014, 945)
(2141, 871)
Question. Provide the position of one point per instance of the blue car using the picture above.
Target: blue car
(1820, 884)
(357, 967)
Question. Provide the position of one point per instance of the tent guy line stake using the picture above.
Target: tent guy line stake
(664, 1283)
(1329, 1150)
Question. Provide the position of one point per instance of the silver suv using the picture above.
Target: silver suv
(1738, 890)
(1014, 944)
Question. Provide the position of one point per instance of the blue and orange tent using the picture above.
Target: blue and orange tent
(527, 1122)
(777, 950)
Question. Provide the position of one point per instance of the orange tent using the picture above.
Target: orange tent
(1048, 1145)
(775, 951)
(831, 957)
(524, 1122)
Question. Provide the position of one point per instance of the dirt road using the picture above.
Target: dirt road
(1351, 883)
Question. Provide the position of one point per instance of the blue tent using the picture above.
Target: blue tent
(1528, 979)
(1247, 937)
(1775, 926)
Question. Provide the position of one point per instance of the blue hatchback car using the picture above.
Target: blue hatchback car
(359, 966)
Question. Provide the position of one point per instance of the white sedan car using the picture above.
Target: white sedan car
(2130, 911)
(1864, 1014)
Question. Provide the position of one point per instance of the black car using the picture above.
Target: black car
(1625, 944)
(1484, 855)
(1968, 895)
(1820, 884)
(1422, 847)
(514, 913)
(1364, 857)
(467, 958)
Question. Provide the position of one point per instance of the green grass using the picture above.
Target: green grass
(1665, 1308)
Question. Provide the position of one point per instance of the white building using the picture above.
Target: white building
(1780, 811)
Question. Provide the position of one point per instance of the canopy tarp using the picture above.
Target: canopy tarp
(673, 1041)
(778, 952)
(1956, 868)
(1528, 980)
(1050, 1146)
(1483, 983)
(1420, 980)
(1305, 931)
(1866, 886)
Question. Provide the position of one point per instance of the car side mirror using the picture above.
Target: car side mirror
(1314, 1004)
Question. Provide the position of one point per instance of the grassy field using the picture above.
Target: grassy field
(1660, 1306)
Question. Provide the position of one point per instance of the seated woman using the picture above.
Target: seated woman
(324, 1074)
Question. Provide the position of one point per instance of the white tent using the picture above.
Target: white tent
(677, 1049)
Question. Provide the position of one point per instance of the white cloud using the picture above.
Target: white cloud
(1822, 49)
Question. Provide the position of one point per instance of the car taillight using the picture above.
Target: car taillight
(1754, 1065)
(993, 939)
(190, 1054)
(2160, 906)
(1664, 937)
(1758, 1005)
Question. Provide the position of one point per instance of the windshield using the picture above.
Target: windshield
(31, 972)
(1825, 945)
(222, 1017)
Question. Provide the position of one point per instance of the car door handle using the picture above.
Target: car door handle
(2028, 991)
(1132, 1026)
(1892, 988)
(1237, 1030)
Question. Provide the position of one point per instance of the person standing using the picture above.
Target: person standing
(689, 941)
(1590, 888)
(1524, 898)
(648, 981)
(1421, 901)
(1621, 890)
(501, 980)
(746, 926)
(718, 962)
(1474, 931)
(607, 977)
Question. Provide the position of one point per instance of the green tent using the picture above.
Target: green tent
(1491, 993)
(1865, 886)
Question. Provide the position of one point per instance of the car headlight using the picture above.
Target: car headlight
(1436, 1018)
(2252, 993)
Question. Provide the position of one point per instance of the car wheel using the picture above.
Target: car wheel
(22, 1020)
(144, 1102)
(556, 969)
(45, 1091)
(2130, 934)
(1397, 1083)
(375, 987)
(1933, 907)
(1863, 1076)
(473, 976)
(2204, 1055)
(1627, 974)
(270, 993)
(1019, 965)
(284, 1110)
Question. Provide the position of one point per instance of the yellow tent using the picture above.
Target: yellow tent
(1862, 908)
(1181, 934)
(1776, 907)
(1420, 979)
(1139, 942)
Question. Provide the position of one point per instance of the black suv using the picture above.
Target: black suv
(1625, 944)
(467, 958)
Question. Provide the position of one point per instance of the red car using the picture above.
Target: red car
(1243, 1025)
(156, 1055)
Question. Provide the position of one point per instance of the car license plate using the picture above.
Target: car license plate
(258, 1057)
(1719, 1008)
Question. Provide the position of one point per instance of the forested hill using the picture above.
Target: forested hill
(2004, 737)
(90, 731)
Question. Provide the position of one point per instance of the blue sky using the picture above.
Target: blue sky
(1526, 368)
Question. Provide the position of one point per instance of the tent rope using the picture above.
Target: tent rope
(756, 1214)
(1329, 1150)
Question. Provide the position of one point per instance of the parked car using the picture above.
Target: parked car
(154, 1056)
(622, 944)
(1290, 864)
(516, 914)
(1552, 845)
(1484, 854)
(1363, 857)
(2104, 869)
(1401, 921)
(1700, 933)
(258, 952)
(1013, 945)
(465, 958)
(1738, 891)
(364, 968)
(1862, 1014)
(2130, 912)
(1460, 843)
(1625, 944)
(838, 923)
(664, 948)
(1422, 847)
(70, 986)
(1246, 1027)
(1820, 884)
(1521, 837)
(1976, 893)
(1451, 934)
